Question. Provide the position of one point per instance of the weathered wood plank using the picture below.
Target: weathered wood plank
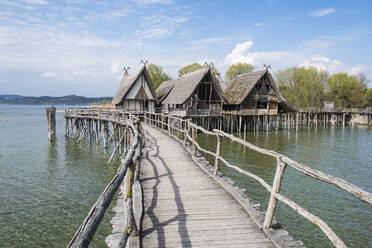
(184, 206)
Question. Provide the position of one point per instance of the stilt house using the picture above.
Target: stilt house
(255, 93)
(136, 92)
(195, 93)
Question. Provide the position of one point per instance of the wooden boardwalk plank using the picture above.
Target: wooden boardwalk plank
(184, 207)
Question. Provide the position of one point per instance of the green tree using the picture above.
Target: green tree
(189, 68)
(194, 67)
(157, 75)
(302, 87)
(237, 69)
(345, 91)
(368, 98)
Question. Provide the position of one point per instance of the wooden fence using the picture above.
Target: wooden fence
(181, 128)
(128, 172)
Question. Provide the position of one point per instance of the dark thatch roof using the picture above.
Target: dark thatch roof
(179, 90)
(127, 83)
(240, 87)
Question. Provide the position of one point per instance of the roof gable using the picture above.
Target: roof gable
(179, 90)
(128, 82)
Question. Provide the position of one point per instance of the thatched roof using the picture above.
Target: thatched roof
(127, 83)
(179, 90)
(240, 87)
(164, 89)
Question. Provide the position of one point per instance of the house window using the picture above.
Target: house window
(262, 105)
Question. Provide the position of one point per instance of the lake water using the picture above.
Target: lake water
(47, 189)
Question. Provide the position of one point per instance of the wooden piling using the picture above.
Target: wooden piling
(51, 117)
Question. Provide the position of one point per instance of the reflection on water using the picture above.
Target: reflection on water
(342, 152)
(47, 188)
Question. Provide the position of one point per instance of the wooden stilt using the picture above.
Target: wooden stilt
(51, 117)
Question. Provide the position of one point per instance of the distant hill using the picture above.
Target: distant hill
(48, 100)
(9, 97)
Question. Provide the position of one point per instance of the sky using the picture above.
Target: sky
(80, 47)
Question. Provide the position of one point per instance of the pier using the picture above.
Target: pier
(171, 196)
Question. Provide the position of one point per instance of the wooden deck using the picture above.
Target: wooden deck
(184, 207)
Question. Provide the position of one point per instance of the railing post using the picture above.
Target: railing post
(187, 133)
(216, 167)
(275, 189)
(193, 141)
(169, 125)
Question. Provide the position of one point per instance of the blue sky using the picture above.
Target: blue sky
(80, 46)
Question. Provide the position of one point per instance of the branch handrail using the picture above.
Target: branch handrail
(130, 163)
(282, 162)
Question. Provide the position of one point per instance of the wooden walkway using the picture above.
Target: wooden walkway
(185, 207)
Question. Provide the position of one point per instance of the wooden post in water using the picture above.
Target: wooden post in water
(67, 128)
(51, 117)
(343, 119)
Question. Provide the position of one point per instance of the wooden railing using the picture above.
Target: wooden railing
(181, 128)
(127, 172)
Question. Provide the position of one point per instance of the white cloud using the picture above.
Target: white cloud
(258, 24)
(318, 43)
(322, 12)
(77, 1)
(277, 59)
(115, 68)
(4, 80)
(159, 26)
(117, 13)
(84, 40)
(357, 69)
(16, 4)
(49, 75)
(326, 41)
(324, 63)
(206, 42)
(145, 2)
(36, 1)
(82, 73)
